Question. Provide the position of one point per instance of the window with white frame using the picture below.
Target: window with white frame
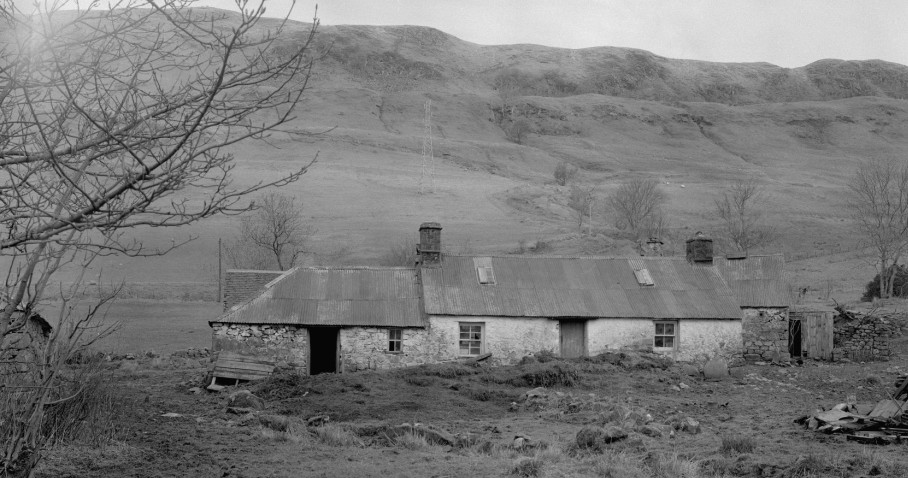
(471, 338)
(666, 334)
(395, 340)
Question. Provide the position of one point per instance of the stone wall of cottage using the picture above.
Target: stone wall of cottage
(283, 343)
(697, 340)
(864, 338)
(765, 333)
(366, 348)
(19, 349)
(507, 339)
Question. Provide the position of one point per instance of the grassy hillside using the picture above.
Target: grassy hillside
(614, 113)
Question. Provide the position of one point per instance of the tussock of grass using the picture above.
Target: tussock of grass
(674, 466)
(527, 466)
(334, 435)
(737, 444)
(411, 441)
(443, 370)
(620, 465)
(807, 466)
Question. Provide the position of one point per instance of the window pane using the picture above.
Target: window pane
(669, 329)
(660, 329)
(658, 342)
(669, 342)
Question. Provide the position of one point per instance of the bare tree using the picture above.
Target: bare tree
(637, 203)
(878, 200)
(741, 210)
(122, 117)
(401, 253)
(581, 201)
(274, 235)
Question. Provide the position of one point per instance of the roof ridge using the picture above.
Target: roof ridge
(552, 256)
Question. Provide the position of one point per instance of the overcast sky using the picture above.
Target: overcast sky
(788, 33)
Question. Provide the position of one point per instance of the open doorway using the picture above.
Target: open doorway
(323, 350)
(794, 338)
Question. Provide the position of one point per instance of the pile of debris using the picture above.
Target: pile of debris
(886, 423)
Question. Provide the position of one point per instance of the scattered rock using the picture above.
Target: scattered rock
(690, 370)
(594, 438)
(240, 410)
(675, 388)
(538, 392)
(245, 399)
(171, 415)
(520, 442)
(688, 425)
(317, 420)
(195, 390)
(683, 386)
(737, 372)
(715, 369)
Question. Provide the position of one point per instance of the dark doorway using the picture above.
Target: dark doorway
(794, 338)
(573, 338)
(322, 350)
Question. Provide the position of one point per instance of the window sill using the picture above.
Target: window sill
(393, 353)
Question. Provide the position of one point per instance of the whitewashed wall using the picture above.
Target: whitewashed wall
(697, 340)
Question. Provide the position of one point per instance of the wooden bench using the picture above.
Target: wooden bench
(231, 365)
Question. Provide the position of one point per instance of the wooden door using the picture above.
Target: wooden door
(573, 338)
(816, 333)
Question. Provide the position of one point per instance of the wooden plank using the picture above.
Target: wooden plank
(243, 358)
(243, 365)
(887, 409)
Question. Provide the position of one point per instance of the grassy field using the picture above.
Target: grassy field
(146, 325)
(481, 421)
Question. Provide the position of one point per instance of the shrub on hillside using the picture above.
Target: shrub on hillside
(899, 284)
(564, 173)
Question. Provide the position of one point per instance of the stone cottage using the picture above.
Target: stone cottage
(450, 307)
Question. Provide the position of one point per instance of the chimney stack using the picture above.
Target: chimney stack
(429, 248)
(700, 249)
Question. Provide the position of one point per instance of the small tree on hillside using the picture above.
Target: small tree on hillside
(878, 200)
(581, 201)
(636, 204)
(741, 210)
(564, 173)
(274, 235)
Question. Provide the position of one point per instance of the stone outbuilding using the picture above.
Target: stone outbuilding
(331, 319)
(762, 293)
(450, 307)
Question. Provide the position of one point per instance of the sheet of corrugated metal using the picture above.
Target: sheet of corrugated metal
(577, 287)
(338, 297)
(757, 281)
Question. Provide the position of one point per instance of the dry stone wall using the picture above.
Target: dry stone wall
(283, 343)
(19, 349)
(864, 338)
(765, 333)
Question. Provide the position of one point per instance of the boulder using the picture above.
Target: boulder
(715, 369)
(245, 399)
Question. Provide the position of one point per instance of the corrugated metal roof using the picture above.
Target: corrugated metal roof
(354, 296)
(757, 281)
(578, 287)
